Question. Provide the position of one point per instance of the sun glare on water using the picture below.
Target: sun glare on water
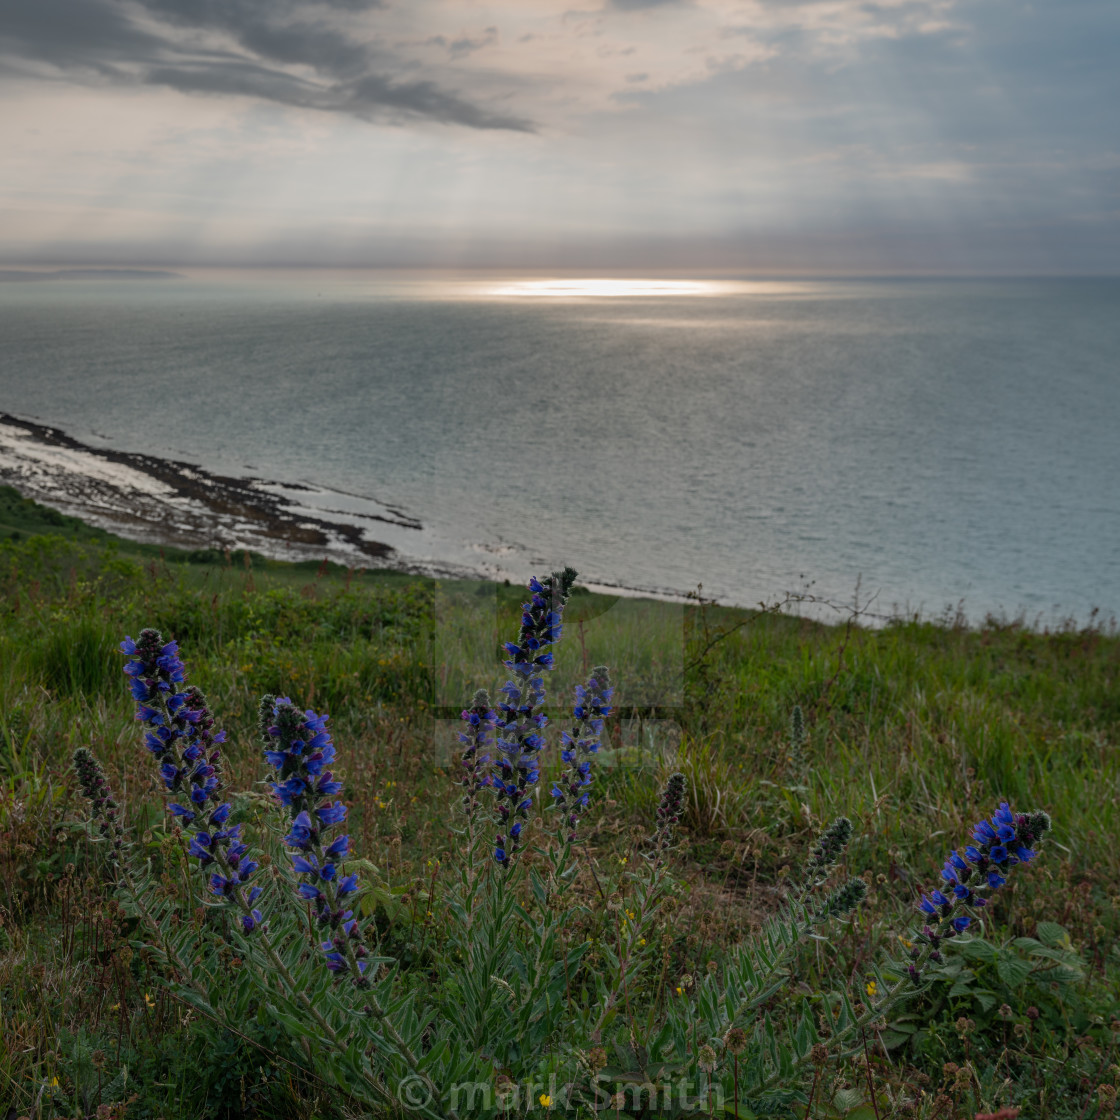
(596, 288)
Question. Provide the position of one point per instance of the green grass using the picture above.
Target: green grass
(915, 731)
(20, 518)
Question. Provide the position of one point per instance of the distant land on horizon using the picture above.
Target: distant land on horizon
(19, 275)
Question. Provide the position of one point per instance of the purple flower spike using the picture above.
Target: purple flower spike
(182, 739)
(517, 719)
(592, 706)
(1000, 844)
(299, 748)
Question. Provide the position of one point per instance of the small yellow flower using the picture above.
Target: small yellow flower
(149, 1001)
(872, 987)
(630, 914)
(546, 1100)
(680, 990)
(54, 1082)
(622, 862)
(642, 941)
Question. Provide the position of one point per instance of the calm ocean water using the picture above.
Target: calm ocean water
(940, 440)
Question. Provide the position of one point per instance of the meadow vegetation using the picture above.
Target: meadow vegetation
(912, 730)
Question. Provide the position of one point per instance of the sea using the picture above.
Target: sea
(924, 446)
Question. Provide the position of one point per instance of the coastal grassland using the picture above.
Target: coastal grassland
(915, 730)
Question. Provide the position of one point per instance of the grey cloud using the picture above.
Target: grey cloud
(367, 97)
(67, 33)
(99, 38)
(1002, 120)
(643, 5)
(464, 44)
(254, 26)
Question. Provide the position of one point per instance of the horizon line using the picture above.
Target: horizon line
(48, 268)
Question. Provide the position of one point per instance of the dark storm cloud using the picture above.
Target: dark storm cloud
(101, 39)
(367, 97)
(94, 34)
(255, 26)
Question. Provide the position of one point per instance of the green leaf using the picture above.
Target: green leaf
(742, 1111)
(847, 1099)
(1050, 933)
(978, 950)
(892, 1040)
(862, 1112)
(1059, 955)
(1063, 974)
(1012, 971)
(986, 999)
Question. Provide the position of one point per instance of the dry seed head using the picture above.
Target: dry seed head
(735, 1040)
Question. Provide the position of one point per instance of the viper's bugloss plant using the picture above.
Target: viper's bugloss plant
(1000, 844)
(668, 816)
(476, 740)
(829, 847)
(180, 736)
(511, 986)
(520, 718)
(798, 743)
(300, 750)
(592, 706)
(103, 809)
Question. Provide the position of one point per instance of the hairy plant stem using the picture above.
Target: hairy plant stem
(330, 890)
(635, 932)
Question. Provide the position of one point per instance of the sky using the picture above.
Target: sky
(762, 136)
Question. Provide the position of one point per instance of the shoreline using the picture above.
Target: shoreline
(176, 504)
(183, 505)
(167, 502)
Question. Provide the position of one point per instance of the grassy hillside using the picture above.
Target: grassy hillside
(914, 730)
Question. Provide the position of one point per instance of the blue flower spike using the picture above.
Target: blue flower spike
(182, 740)
(476, 738)
(578, 746)
(300, 750)
(999, 845)
(519, 718)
